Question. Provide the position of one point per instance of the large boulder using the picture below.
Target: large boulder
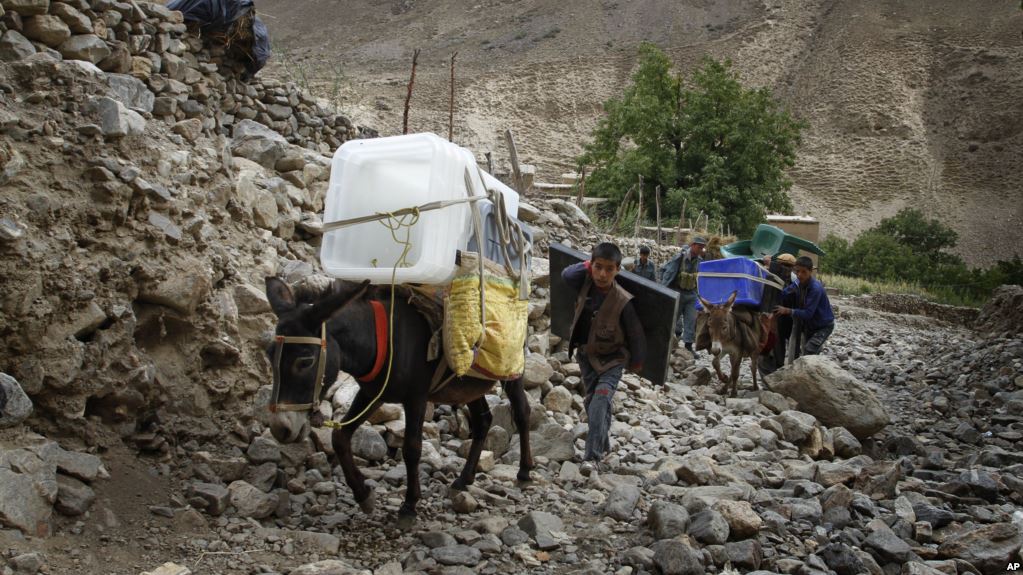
(88, 47)
(27, 7)
(48, 29)
(1003, 313)
(258, 143)
(831, 394)
(131, 92)
(989, 548)
(15, 46)
(28, 490)
(115, 120)
(15, 405)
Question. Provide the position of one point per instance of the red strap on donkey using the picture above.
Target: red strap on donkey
(380, 321)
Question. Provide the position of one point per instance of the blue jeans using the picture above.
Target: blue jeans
(815, 339)
(600, 389)
(686, 322)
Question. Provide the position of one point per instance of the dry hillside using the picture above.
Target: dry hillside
(907, 103)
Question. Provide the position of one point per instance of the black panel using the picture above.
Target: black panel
(656, 305)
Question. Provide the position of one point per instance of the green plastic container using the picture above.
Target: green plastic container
(769, 240)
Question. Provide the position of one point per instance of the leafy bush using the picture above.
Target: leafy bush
(910, 248)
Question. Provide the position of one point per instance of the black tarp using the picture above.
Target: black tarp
(655, 305)
(217, 16)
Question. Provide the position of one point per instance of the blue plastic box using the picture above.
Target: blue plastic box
(716, 290)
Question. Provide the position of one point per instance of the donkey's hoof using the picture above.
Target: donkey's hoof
(406, 518)
(459, 485)
(523, 475)
(368, 504)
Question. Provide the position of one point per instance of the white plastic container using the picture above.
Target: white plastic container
(387, 174)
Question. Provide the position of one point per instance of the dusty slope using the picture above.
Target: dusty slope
(907, 103)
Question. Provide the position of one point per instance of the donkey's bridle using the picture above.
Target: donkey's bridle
(321, 366)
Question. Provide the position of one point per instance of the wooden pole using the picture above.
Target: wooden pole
(408, 97)
(681, 222)
(516, 173)
(582, 188)
(621, 210)
(657, 199)
(451, 101)
(639, 211)
(490, 163)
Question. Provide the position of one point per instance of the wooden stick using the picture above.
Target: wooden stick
(681, 221)
(582, 188)
(451, 100)
(408, 97)
(621, 210)
(490, 163)
(657, 199)
(639, 211)
(516, 173)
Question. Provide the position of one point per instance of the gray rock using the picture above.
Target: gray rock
(667, 520)
(796, 425)
(528, 213)
(116, 120)
(937, 517)
(83, 466)
(831, 394)
(131, 92)
(463, 502)
(846, 444)
(537, 371)
(78, 23)
(512, 536)
(264, 476)
(537, 523)
(27, 7)
(435, 539)
(189, 129)
(46, 28)
(887, 546)
(264, 449)
(328, 567)
(258, 143)
(215, 497)
(29, 563)
(457, 555)
(553, 442)
(28, 489)
(673, 557)
(249, 501)
(571, 212)
(15, 406)
(558, 400)
(747, 554)
(989, 548)
(87, 47)
(742, 520)
(697, 470)
(15, 46)
(622, 501)
(709, 527)
(171, 232)
(73, 497)
(842, 559)
(368, 444)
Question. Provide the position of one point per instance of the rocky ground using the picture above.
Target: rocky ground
(147, 192)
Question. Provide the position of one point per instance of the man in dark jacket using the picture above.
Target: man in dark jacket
(680, 274)
(609, 337)
(644, 267)
(810, 305)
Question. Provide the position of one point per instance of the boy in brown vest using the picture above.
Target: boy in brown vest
(609, 337)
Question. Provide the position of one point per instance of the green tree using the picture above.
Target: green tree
(925, 237)
(715, 145)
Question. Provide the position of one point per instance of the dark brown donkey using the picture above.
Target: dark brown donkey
(730, 335)
(349, 313)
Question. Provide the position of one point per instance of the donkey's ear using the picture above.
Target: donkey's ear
(706, 304)
(731, 299)
(281, 298)
(334, 303)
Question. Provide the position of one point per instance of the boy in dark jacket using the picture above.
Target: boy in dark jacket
(810, 306)
(609, 337)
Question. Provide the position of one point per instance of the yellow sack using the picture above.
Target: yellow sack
(495, 352)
